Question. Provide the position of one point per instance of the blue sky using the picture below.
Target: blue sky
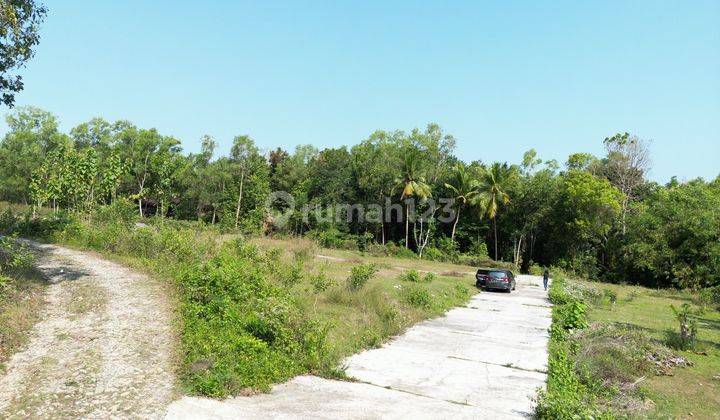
(502, 77)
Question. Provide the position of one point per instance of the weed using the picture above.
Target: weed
(360, 274)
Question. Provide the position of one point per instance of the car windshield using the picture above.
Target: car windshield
(497, 274)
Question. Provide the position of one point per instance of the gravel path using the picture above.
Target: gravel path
(484, 360)
(103, 347)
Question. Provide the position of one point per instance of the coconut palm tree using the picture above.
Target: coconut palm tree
(464, 187)
(491, 196)
(412, 184)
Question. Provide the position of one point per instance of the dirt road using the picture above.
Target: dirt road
(103, 347)
(484, 360)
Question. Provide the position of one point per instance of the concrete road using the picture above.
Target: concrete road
(482, 360)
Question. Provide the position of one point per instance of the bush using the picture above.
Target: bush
(14, 255)
(709, 296)
(320, 282)
(411, 275)
(121, 212)
(360, 274)
(535, 269)
(434, 254)
(418, 297)
(333, 238)
(364, 240)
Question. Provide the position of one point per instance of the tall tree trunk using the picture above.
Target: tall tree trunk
(240, 195)
(495, 236)
(407, 227)
(457, 218)
(140, 207)
(624, 213)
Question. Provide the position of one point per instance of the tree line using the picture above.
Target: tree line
(597, 216)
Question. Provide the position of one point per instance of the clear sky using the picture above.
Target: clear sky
(501, 76)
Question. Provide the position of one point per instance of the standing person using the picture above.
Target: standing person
(546, 276)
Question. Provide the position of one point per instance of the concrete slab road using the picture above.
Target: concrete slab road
(484, 360)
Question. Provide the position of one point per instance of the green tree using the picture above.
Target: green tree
(628, 159)
(674, 237)
(412, 184)
(464, 187)
(491, 194)
(33, 133)
(20, 32)
(245, 156)
(376, 162)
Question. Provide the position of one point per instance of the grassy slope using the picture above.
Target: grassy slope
(692, 391)
(361, 319)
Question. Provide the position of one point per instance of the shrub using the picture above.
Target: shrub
(14, 255)
(461, 290)
(411, 275)
(320, 282)
(7, 220)
(333, 238)
(610, 296)
(362, 241)
(709, 296)
(121, 211)
(359, 275)
(418, 297)
(414, 276)
(535, 269)
(434, 254)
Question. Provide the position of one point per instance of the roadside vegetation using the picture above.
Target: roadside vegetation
(620, 350)
(21, 297)
(256, 311)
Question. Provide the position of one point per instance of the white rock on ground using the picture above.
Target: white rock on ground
(484, 360)
(102, 349)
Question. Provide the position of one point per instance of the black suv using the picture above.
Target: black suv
(495, 279)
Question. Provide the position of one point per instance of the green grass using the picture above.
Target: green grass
(383, 307)
(692, 390)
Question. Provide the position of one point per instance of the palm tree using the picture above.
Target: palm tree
(464, 188)
(413, 185)
(491, 195)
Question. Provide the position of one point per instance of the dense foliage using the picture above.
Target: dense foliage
(596, 216)
(19, 33)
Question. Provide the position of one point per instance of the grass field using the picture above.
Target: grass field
(381, 309)
(689, 391)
